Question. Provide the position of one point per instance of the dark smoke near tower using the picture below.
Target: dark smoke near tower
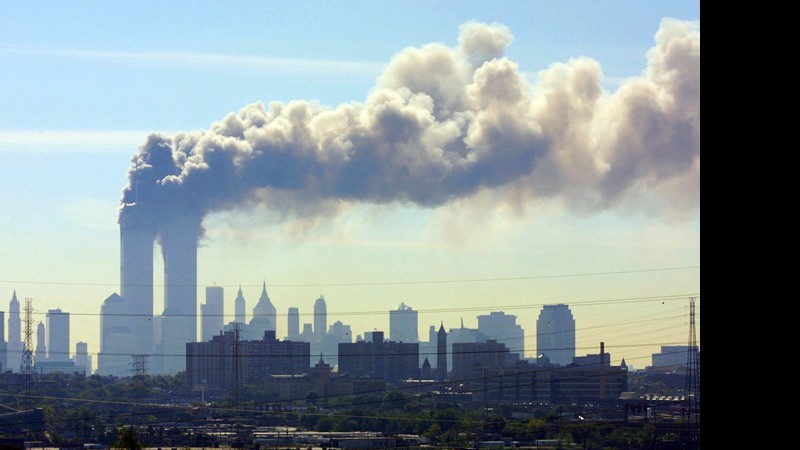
(441, 125)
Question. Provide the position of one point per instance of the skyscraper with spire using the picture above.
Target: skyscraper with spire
(264, 315)
(239, 308)
(441, 353)
(14, 355)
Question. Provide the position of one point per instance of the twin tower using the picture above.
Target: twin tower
(128, 325)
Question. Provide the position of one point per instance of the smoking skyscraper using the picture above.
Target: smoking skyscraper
(441, 125)
(137, 235)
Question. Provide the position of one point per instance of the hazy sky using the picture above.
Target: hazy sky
(459, 157)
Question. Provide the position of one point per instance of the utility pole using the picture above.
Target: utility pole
(236, 363)
(237, 380)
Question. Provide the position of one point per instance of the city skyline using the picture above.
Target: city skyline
(624, 254)
(546, 336)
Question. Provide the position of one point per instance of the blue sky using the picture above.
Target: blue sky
(83, 84)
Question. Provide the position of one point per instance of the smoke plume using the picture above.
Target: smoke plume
(445, 124)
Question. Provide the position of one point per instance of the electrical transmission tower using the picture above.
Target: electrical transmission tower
(26, 366)
(139, 369)
(691, 410)
(139, 365)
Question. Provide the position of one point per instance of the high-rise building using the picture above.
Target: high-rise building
(240, 314)
(137, 234)
(462, 335)
(376, 358)
(469, 356)
(14, 351)
(40, 354)
(338, 333)
(672, 355)
(555, 334)
(115, 337)
(178, 233)
(320, 318)
(441, 353)
(427, 349)
(212, 312)
(307, 335)
(57, 335)
(503, 328)
(403, 324)
(213, 364)
(3, 343)
(320, 325)
(293, 324)
(83, 361)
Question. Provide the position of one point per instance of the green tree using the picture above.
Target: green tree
(127, 438)
(494, 424)
(394, 399)
(312, 398)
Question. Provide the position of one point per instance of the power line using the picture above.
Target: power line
(526, 336)
(600, 302)
(380, 283)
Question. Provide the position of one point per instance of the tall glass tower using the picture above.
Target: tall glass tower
(555, 334)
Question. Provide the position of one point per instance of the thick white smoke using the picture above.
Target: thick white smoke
(445, 124)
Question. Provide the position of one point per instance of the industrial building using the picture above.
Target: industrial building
(488, 382)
